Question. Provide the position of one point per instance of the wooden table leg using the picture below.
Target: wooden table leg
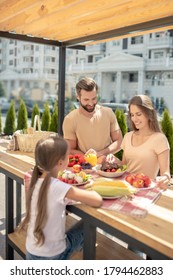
(9, 215)
(89, 250)
(18, 203)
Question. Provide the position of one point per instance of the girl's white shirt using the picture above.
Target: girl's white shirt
(54, 229)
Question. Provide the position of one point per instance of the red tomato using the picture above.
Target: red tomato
(113, 170)
(70, 181)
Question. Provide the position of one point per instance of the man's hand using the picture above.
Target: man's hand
(91, 151)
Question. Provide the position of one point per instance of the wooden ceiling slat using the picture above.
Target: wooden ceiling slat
(8, 9)
(124, 31)
(39, 12)
(70, 20)
(101, 23)
(51, 13)
(129, 35)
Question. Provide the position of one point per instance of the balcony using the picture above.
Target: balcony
(84, 67)
(160, 42)
(160, 64)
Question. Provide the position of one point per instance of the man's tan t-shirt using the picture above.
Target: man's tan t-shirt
(144, 158)
(90, 132)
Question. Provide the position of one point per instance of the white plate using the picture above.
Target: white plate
(111, 197)
(80, 184)
(110, 174)
(151, 186)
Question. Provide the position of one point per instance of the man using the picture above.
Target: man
(91, 127)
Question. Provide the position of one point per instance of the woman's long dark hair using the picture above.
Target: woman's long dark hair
(146, 106)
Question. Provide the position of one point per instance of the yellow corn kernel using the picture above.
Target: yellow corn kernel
(115, 183)
(110, 191)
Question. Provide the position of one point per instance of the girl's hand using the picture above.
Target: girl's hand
(162, 182)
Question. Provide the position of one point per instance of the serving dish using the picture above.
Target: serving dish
(110, 174)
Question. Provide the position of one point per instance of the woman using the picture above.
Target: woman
(145, 148)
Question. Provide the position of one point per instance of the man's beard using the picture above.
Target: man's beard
(89, 110)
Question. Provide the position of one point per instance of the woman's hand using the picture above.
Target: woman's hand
(112, 159)
(162, 182)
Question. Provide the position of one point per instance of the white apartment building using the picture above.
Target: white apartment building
(29, 70)
(123, 68)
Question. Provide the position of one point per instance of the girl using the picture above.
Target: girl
(46, 205)
(145, 148)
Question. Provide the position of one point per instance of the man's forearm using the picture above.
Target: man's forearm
(111, 149)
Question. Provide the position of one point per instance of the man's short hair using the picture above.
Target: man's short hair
(87, 84)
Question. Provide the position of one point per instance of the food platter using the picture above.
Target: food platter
(110, 174)
(151, 186)
(81, 184)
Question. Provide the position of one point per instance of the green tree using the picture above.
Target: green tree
(10, 126)
(22, 118)
(2, 90)
(167, 128)
(46, 118)
(157, 103)
(122, 121)
(0, 122)
(35, 111)
(54, 119)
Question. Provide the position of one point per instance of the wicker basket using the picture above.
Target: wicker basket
(27, 142)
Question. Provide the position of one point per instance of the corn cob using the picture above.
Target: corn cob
(115, 183)
(112, 191)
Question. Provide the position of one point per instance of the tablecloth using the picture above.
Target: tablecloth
(138, 205)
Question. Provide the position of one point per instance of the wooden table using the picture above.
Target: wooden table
(152, 234)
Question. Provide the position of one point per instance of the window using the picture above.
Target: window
(137, 40)
(90, 58)
(27, 59)
(158, 55)
(26, 47)
(133, 77)
(97, 58)
(125, 44)
(149, 54)
(116, 43)
(113, 77)
(159, 34)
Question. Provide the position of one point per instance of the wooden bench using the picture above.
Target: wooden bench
(106, 248)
